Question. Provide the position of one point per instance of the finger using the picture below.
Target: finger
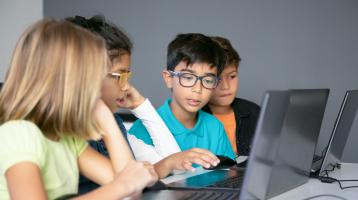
(150, 168)
(150, 176)
(204, 158)
(188, 166)
(200, 161)
(145, 163)
(207, 153)
(154, 176)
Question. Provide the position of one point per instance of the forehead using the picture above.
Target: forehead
(198, 68)
(121, 63)
(230, 69)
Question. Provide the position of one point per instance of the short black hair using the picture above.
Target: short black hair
(193, 48)
(117, 42)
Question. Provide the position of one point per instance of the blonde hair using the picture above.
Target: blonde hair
(55, 78)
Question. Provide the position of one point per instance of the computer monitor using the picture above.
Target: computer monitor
(341, 130)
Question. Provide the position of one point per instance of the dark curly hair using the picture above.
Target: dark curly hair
(117, 42)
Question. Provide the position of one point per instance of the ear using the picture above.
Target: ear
(167, 79)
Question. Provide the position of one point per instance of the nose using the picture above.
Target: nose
(125, 86)
(197, 87)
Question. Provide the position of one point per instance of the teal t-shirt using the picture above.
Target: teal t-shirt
(23, 141)
(208, 132)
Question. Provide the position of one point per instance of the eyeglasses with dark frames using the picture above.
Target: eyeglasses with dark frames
(189, 80)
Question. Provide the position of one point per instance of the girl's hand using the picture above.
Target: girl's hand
(127, 183)
(105, 118)
(136, 176)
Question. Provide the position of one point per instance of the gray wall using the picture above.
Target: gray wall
(283, 43)
(15, 16)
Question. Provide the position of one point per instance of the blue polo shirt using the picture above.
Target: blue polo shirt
(208, 132)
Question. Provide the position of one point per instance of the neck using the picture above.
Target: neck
(187, 119)
(220, 110)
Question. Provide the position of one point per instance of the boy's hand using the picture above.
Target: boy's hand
(184, 161)
(133, 98)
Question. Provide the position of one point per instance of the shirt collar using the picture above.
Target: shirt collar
(175, 127)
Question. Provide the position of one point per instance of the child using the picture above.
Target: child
(118, 93)
(193, 63)
(239, 116)
(49, 105)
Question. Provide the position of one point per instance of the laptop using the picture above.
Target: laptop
(267, 136)
(280, 118)
(332, 153)
(299, 136)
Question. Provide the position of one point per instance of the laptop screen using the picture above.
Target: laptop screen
(340, 131)
(265, 145)
(280, 164)
(298, 140)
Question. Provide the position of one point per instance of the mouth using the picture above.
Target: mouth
(120, 101)
(225, 95)
(193, 102)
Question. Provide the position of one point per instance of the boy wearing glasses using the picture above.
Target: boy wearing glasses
(194, 62)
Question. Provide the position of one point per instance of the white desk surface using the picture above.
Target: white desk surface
(312, 188)
(315, 187)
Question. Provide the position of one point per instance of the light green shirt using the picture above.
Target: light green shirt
(22, 140)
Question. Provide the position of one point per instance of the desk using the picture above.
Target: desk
(312, 188)
(315, 187)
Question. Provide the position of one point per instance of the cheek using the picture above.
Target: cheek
(207, 95)
(234, 85)
(109, 89)
(214, 97)
(215, 93)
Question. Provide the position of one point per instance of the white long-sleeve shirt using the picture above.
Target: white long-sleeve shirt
(163, 140)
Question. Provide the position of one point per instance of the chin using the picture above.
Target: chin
(114, 108)
(227, 102)
(193, 110)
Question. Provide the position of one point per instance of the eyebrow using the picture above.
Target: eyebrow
(193, 72)
(234, 71)
(187, 70)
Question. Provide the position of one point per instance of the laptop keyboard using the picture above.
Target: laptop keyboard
(233, 182)
(210, 195)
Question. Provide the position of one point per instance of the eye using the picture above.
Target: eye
(115, 75)
(209, 80)
(233, 76)
(188, 77)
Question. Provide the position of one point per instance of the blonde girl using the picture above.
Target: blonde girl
(49, 106)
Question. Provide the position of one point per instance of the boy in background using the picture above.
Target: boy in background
(194, 62)
(239, 116)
